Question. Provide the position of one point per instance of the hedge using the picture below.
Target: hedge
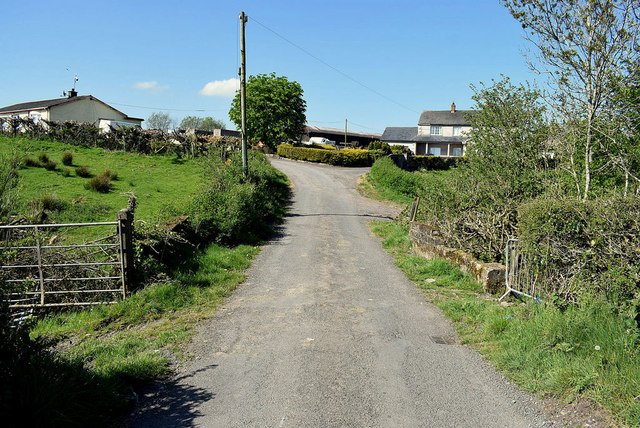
(433, 163)
(344, 157)
(591, 246)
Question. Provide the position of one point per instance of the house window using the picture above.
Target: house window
(436, 130)
(457, 130)
(435, 151)
(456, 151)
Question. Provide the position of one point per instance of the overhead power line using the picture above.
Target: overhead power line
(333, 68)
(162, 108)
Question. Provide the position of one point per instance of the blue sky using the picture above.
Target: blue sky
(180, 56)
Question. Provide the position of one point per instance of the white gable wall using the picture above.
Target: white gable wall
(85, 110)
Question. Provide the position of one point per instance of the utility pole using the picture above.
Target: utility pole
(345, 132)
(243, 94)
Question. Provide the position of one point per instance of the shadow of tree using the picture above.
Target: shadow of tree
(171, 403)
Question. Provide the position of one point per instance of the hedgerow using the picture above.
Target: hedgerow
(344, 157)
(585, 246)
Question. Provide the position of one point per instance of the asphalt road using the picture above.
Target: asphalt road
(327, 332)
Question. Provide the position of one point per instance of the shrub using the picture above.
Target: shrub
(232, 209)
(31, 162)
(381, 149)
(43, 158)
(345, 157)
(589, 246)
(49, 202)
(396, 149)
(83, 171)
(67, 158)
(50, 165)
(100, 183)
(113, 175)
(66, 172)
(433, 163)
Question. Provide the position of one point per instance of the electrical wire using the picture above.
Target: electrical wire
(333, 68)
(162, 108)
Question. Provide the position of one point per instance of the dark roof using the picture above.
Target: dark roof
(31, 105)
(444, 117)
(397, 133)
(410, 135)
(336, 131)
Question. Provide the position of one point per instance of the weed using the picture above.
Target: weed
(67, 158)
(83, 171)
(43, 157)
(50, 165)
(100, 183)
(31, 162)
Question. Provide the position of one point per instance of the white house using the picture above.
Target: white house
(85, 108)
(439, 133)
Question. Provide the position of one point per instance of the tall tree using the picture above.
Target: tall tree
(275, 109)
(160, 120)
(201, 123)
(582, 45)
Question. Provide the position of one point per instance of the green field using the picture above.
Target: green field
(158, 182)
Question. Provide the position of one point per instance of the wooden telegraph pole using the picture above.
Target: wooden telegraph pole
(345, 132)
(243, 94)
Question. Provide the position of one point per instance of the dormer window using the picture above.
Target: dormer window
(436, 130)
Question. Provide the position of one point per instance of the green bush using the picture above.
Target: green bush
(586, 247)
(67, 158)
(50, 165)
(83, 171)
(43, 158)
(31, 162)
(380, 148)
(101, 183)
(233, 209)
(345, 157)
(433, 163)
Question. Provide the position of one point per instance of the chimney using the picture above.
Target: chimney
(73, 93)
(453, 107)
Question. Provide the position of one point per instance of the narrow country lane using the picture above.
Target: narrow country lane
(327, 332)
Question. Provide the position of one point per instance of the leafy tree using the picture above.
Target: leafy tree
(583, 46)
(476, 205)
(275, 109)
(201, 123)
(161, 121)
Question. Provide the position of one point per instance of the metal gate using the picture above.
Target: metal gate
(521, 277)
(39, 268)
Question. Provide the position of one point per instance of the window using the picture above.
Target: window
(436, 130)
(457, 130)
(457, 151)
(435, 151)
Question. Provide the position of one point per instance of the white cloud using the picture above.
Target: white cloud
(221, 88)
(150, 86)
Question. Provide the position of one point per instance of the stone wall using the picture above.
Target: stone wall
(427, 242)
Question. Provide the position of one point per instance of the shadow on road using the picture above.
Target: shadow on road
(171, 403)
(374, 216)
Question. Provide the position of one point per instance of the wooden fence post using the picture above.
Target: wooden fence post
(125, 219)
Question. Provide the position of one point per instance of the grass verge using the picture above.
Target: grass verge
(570, 351)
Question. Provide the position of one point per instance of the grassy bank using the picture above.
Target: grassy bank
(581, 351)
(159, 182)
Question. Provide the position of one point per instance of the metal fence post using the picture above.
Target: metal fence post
(125, 228)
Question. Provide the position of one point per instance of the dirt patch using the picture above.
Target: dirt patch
(581, 412)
